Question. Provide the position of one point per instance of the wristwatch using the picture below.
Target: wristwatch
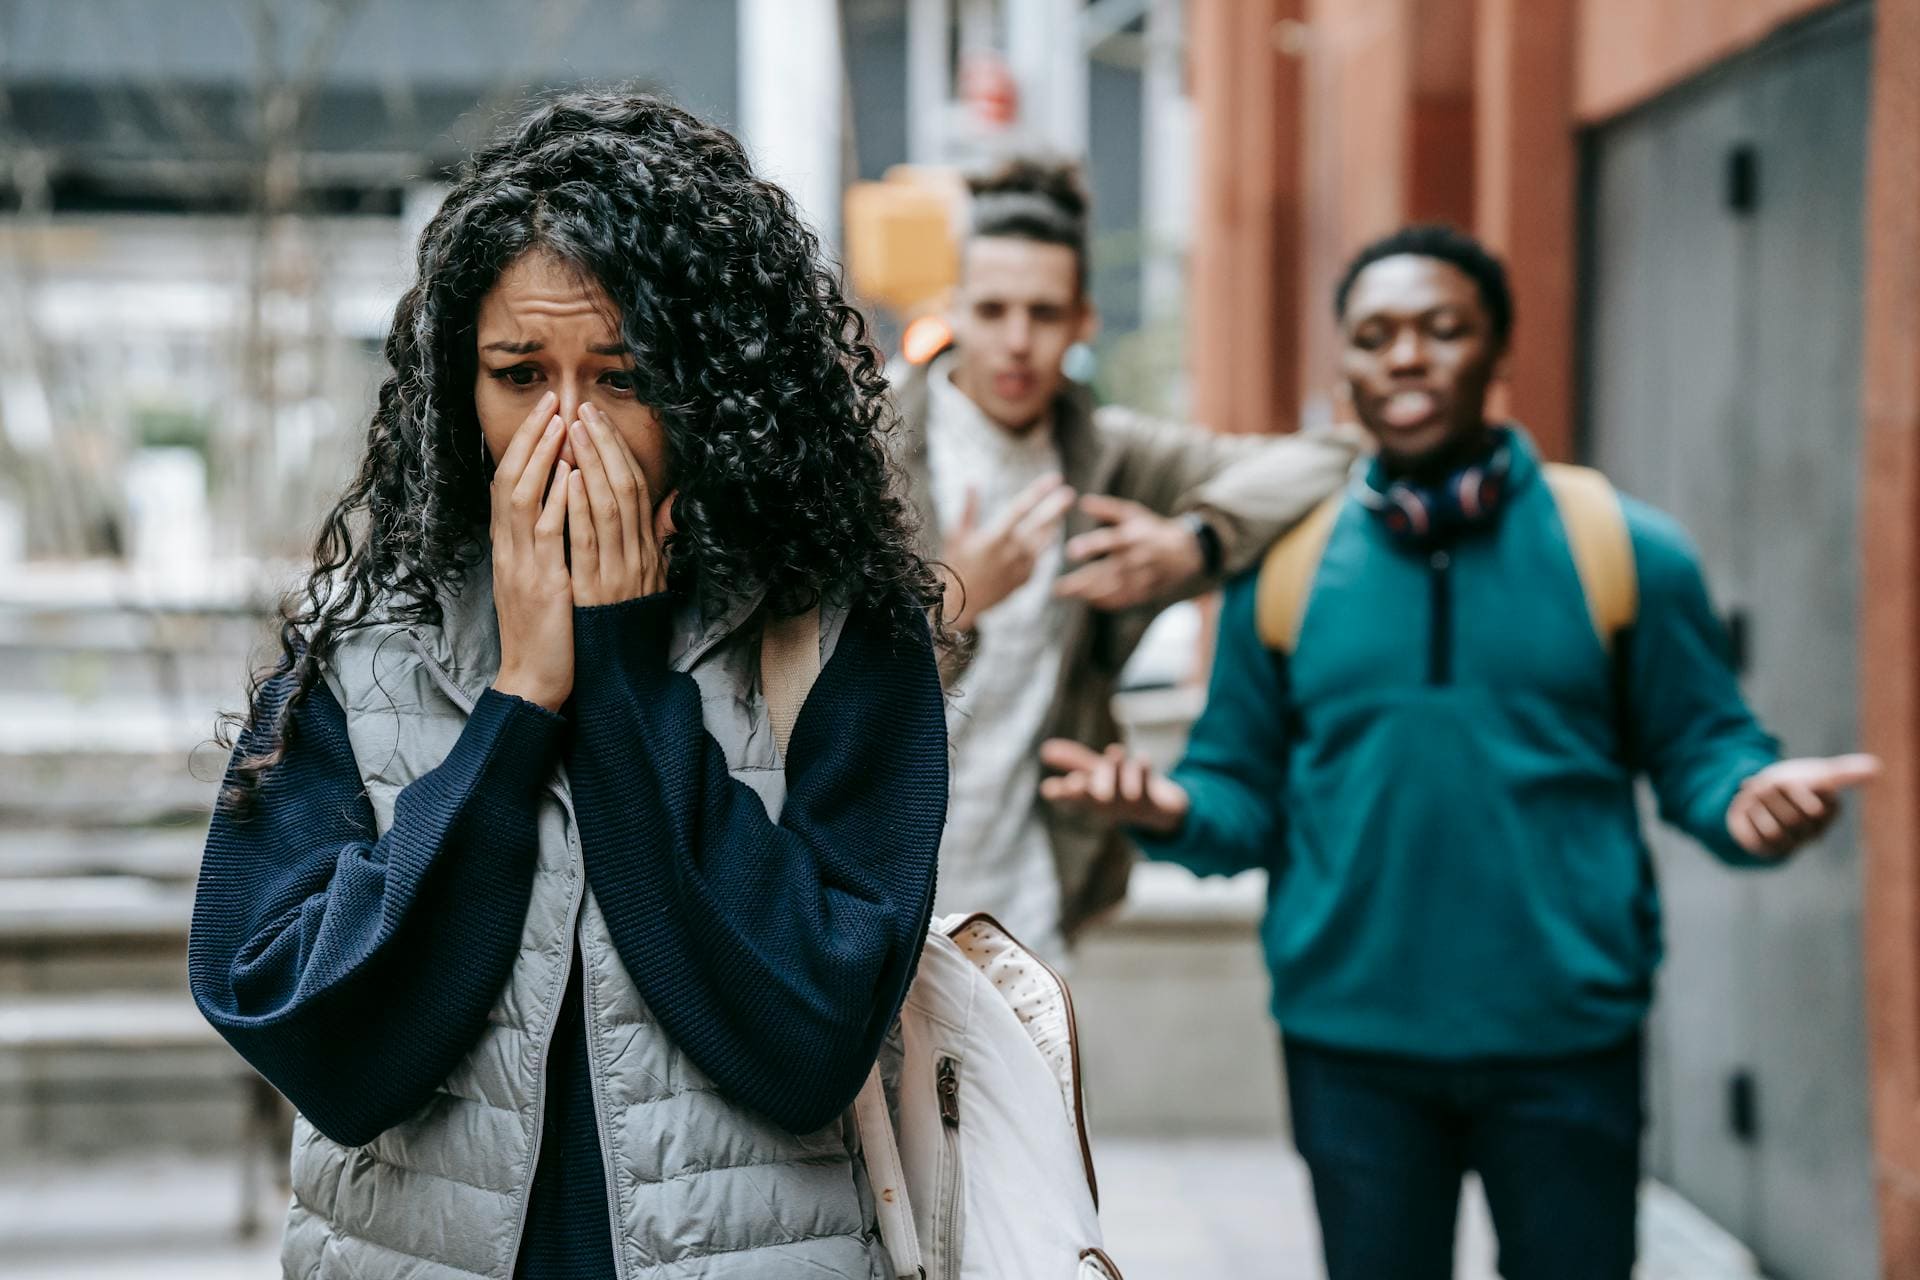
(1211, 554)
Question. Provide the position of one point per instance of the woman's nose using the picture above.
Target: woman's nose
(570, 401)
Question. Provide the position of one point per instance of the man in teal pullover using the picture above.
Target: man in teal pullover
(1438, 774)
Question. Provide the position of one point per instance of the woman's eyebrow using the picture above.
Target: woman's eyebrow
(530, 346)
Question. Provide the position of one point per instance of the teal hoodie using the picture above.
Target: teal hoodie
(1436, 784)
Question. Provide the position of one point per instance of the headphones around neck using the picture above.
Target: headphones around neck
(1467, 499)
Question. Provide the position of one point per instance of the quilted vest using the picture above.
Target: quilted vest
(697, 1187)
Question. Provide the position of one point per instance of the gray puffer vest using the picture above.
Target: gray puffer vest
(697, 1187)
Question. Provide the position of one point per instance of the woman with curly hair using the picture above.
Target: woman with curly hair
(567, 971)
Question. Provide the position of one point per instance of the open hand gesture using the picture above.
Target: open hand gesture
(1790, 803)
(987, 564)
(1118, 786)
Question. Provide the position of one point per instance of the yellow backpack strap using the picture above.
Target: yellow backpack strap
(1286, 576)
(1602, 547)
(789, 664)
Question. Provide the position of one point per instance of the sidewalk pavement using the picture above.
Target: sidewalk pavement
(1178, 1208)
(1174, 1209)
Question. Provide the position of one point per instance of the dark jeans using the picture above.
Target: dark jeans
(1556, 1144)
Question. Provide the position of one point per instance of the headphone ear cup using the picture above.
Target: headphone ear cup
(1471, 494)
(1414, 517)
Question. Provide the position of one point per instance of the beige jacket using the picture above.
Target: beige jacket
(1250, 489)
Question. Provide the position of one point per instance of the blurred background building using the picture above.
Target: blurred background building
(1712, 214)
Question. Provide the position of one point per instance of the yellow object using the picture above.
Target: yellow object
(1280, 597)
(1602, 547)
(925, 338)
(900, 244)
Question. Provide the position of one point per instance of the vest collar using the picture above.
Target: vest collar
(466, 644)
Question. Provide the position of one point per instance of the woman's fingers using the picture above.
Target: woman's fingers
(526, 501)
(624, 479)
(583, 542)
(663, 518)
(525, 437)
(547, 530)
(604, 511)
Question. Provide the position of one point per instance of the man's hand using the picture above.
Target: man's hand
(1135, 558)
(1790, 803)
(1119, 787)
(986, 565)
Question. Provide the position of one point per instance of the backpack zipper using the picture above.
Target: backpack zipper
(947, 1223)
(1073, 1045)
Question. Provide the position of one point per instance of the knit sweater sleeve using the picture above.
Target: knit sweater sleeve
(353, 969)
(1692, 728)
(1235, 766)
(775, 954)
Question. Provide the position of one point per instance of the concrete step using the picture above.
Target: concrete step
(166, 854)
(137, 780)
(1173, 990)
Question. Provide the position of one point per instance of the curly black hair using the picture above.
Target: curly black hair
(1446, 244)
(773, 401)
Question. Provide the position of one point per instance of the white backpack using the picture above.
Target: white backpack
(989, 1175)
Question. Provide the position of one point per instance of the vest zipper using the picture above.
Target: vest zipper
(540, 1076)
(947, 1223)
(594, 1080)
(461, 699)
(1440, 623)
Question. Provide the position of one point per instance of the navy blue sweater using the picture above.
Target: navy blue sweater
(354, 970)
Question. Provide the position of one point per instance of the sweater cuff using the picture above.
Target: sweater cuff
(517, 741)
(1710, 822)
(615, 643)
(1177, 845)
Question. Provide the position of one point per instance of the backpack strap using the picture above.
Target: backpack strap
(1602, 547)
(1597, 535)
(887, 1177)
(789, 664)
(1286, 576)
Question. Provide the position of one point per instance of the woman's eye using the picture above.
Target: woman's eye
(619, 380)
(520, 375)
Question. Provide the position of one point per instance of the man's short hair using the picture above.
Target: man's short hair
(1033, 198)
(1446, 244)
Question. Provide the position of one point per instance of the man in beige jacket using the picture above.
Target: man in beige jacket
(1064, 528)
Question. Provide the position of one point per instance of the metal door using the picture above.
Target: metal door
(1723, 320)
